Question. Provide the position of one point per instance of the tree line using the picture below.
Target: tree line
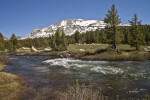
(113, 34)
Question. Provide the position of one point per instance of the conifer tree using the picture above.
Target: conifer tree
(52, 42)
(112, 19)
(77, 37)
(14, 42)
(8, 45)
(1, 38)
(135, 32)
(29, 43)
(58, 39)
(63, 37)
(2, 46)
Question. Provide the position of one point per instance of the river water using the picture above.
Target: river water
(128, 79)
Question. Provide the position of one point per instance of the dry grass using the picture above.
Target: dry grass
(80, 92)
(4, 59)
(10, 86)
(2, 66)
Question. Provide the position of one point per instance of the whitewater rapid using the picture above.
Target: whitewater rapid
(97, 66)
(104, 67)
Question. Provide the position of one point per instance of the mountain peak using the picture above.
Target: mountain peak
(70, 26)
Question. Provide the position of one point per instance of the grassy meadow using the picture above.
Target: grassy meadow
(95, 52)
(104, 52)
(11, 86)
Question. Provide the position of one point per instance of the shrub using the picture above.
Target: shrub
(80, 92)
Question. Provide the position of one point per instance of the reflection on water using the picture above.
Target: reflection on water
(127, 79)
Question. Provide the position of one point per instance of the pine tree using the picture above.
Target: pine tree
(29, 43)
(8, 45)
(52, 42)
(58, 39)
(14, 42)
(2, 46)
(77, 37)
(1, 38)
(63, 38)
(135, 32)
(112, 19)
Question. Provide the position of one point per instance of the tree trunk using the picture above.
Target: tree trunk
(137, 48)
(115, 42)
(65, 44)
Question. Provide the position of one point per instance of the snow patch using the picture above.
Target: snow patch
(69, 26)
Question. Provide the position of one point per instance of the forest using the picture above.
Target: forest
(98, 36)
(113, 34)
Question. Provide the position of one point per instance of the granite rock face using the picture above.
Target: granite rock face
(70, 26)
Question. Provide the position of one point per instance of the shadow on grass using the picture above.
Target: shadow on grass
(129, 50)
(96, 52)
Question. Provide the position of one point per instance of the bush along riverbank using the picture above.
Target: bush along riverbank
(11, 86)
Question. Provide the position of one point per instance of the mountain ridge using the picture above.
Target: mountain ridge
(70, 26)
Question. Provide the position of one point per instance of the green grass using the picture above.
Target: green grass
(104, 52)
(95, 47)
(96, 52)
(114, 56)
(86, 47)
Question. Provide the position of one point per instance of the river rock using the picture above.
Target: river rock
(25, 48)
(147, 49)
(47, 49)
(34, 49)
(82, 50)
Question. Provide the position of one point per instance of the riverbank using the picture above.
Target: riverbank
(100, 52)
(117, 57)
(46, 74)
(2, 66)
(11, 86)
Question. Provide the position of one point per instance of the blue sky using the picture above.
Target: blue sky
(22, 16)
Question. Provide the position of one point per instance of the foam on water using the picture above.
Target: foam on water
(41, 69)
(103, 67)
(97, 66)
(107, 70)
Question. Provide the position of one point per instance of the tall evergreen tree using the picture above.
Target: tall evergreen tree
(135, 32)
(14, 42)
(112, 19)
(63, 38)
(52, 42)
(58, 39)
(1, 38)
(77, 37)
(2, 43)
(29, 43)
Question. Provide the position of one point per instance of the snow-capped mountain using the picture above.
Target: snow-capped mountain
(5, 38)
(70, 26)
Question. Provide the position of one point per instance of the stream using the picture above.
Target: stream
(128, 79)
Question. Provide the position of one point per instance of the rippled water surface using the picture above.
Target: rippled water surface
(128, 79)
